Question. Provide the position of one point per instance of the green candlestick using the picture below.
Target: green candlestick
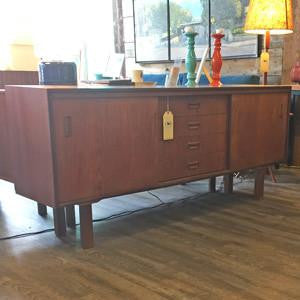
(190, 60)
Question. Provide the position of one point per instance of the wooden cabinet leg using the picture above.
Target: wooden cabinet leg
(70, 215)
(259, 183)
(212, 184)
(86, 226)
(59, 221)
(228, 183)
(42, 209)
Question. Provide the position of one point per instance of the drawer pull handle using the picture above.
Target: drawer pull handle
(194, 105)
(67, 126)
(193, 165)
(193, 145)
(193, 125)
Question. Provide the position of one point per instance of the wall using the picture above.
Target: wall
(230, 67)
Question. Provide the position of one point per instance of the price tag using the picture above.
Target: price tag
(168, 126)
(264, 62)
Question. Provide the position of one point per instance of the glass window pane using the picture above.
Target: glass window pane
(151, 34)
(192, 13)
(230, 15)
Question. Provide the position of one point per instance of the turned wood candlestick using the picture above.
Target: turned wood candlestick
(216, 61)
(190, 60)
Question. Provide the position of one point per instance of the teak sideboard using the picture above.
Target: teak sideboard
(78, 145)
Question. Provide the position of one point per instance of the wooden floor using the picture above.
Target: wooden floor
(211, 246)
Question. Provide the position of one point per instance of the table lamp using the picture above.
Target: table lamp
(269, 17)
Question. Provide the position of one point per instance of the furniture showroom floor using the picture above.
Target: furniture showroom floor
(196, 246)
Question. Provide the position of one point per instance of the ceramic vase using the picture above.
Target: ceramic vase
(295, 73)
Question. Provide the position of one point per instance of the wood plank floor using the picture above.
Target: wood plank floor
(211, 246)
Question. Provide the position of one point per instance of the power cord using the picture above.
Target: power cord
(124, 213)
(111, 217)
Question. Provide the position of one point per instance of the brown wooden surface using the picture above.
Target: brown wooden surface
(18, 77)
(78, 138)
(160, 90)
(30, 142)
(5, 169)
(200, 129)
(228, 183)
(112, 141)
(59, 221)
(195, 105)
(212, 184)
(213, 247)
(86, 226)
(78, 145)
(70, 216)
(102, 146)
(10, 77)
(258, 130)
(259, 183)
(130, 155)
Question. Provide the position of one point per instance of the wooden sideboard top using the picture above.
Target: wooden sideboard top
(176, 88)
(123, 91)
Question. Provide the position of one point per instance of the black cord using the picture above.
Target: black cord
(111, 217)
(155, 196)
(17, 236)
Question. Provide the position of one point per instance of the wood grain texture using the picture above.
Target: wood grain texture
(18, 77)
(212, 184)
(130, 151)
(86, 226)
(111, 141)
(228, 183)
(211, 247)
(70, 216)
(59, 221)
(258, 130)
(5, 170)
(259, 183)
(30, 142)
(75, 145)
(91, 138)
(9, 77)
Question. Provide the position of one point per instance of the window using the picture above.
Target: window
(159, 28)
(59, 30)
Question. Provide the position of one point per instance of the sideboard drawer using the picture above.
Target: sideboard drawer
(191, 165)
(200, 125)
(195, 105)
(192, 155)
(202, 145)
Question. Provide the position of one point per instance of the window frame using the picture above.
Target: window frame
(169, 60)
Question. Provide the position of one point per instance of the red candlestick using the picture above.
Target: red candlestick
(216, 61)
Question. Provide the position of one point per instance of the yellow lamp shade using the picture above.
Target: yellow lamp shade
(275, 16)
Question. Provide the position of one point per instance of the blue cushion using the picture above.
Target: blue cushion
(182, 80)
(226, 79)
(158, 78)
(240, 79)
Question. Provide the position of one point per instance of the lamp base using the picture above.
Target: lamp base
(265, 82)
